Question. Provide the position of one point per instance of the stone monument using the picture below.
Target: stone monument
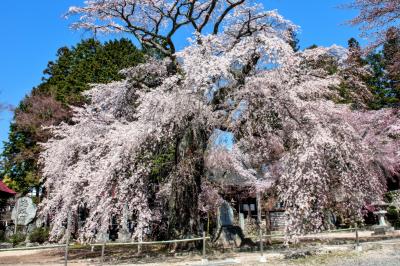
(225, 214)
(229, 235)
(24, 211)
(123, 232)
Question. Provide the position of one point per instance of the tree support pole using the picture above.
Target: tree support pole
(204, 259)
(16, 216)
(262, 258)
(358, 247)
(67, 235)
(103, 247)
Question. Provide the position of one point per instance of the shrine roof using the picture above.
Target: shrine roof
(5, 189)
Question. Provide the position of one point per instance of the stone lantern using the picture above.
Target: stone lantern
(382, 227)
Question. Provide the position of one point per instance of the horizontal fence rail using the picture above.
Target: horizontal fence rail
(108, 244)
(167, 241)
(35, 247)
(204, 238)
(150, 242)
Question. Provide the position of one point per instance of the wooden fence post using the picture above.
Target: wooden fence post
(358, 247)
(204, 259)
(16, 216)
(103, 247)
(67, 235)
(262, 258)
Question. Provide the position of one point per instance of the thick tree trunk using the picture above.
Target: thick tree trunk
(183, 220)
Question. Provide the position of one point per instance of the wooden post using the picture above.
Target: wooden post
(139, 247)
(16, 216)
(103, 247)
(268, 226)
(357, 241)
(67, 235)
(204, 258)
(208, 223)
(262, 258)
(358, 247)
(204, 244)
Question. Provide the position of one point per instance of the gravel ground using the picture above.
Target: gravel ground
(384, 253)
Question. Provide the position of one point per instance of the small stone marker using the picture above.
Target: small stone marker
(24, 211)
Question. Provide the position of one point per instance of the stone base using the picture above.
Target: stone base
(382, 230)
(230, 236)
(263, 259)
(102, 237)
(123, 237)
(358, 248)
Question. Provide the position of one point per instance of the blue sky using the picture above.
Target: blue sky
(32, 31)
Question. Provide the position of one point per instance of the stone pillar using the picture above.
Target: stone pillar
(241, 221)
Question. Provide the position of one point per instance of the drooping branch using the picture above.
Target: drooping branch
(375, 18)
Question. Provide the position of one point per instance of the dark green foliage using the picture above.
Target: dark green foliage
(391, 56)
(353, 43)
(381, 75)
(344, 93)
(294, 40)
(65, 78)
(2, 236)
(17, 238)
(89, 62)
(163, 163)
(389, 196)
(385, 65)
(393, 216)
(393, 213)
(39, 235)
(313, 46)
(19, 167)
(377, 83)
(355, 53)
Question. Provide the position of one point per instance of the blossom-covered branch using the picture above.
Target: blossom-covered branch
(290, 133)
(376, 17)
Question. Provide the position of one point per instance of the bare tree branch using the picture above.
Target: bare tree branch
(153, 23)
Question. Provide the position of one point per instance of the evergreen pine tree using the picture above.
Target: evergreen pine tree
(391, 57)
(64, 79)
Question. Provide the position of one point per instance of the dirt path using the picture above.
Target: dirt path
(35, 257)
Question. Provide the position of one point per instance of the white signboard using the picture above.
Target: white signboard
(24, 211)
